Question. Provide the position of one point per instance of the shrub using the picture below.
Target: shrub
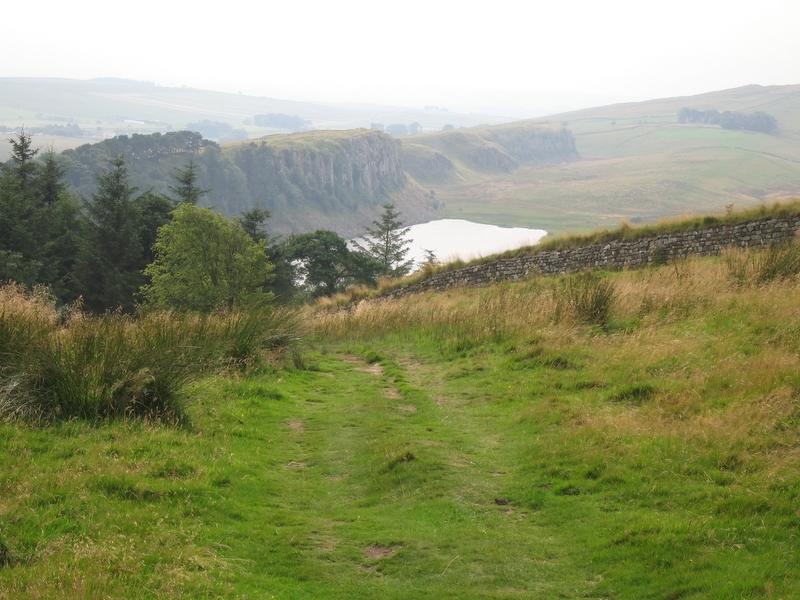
(585, 297)
(204, 262)
(74, 365)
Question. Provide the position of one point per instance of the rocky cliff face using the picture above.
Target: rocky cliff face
(532, 145)
(331, 166)
(322, 179)
(338, 173)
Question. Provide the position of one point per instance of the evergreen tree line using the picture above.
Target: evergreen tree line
(755, 121)
(121, 247)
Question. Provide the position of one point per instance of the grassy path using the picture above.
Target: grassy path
(343, 481)
(384, 491)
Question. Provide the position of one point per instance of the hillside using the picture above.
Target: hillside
(331, 179)
(335, 179)
(321, 179)
(448, 156)
(639, 163)
(481, 443)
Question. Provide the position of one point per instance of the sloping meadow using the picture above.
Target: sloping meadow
(659, 435)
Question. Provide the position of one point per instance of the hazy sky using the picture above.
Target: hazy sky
(502, 56)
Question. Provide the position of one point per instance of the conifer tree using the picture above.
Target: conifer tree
(253, 221)
(110, 267)
(51, 179)
(18, 238)
(186, 188)
(24, 166)
(388, 244)
(430, 259)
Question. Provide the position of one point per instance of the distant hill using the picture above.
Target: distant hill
(639, 163)
(575, 171)
(104, 108)
(452, 156)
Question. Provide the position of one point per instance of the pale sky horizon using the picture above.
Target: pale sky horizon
(500, 57)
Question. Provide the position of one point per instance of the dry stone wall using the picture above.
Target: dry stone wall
(614, 255)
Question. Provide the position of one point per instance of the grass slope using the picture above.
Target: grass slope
(638, 163)
(460, 445)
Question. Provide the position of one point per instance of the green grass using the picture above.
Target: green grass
(461, 445)
(319, 484)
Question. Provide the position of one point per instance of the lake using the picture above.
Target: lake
(452, 239)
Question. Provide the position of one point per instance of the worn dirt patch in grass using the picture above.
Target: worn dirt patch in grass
(373, 369)
(296, 425)
(392, 394)
(379, 552)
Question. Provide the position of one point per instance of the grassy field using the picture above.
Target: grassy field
(479, 443)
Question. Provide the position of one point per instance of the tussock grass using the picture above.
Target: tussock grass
(585, 297)
(64, 364)
(623, 301)
(775, 264)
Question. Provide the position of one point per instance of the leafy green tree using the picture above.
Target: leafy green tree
(185, 187)
(363, 268)
(205, 262)
(387, 242)
(322, 259)
(110, 267)
(325, 264)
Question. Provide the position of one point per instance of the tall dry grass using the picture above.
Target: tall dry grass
(473, 315)
(777, 263)
(65, 364)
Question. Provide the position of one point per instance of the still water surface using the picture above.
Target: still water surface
(456, 238)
